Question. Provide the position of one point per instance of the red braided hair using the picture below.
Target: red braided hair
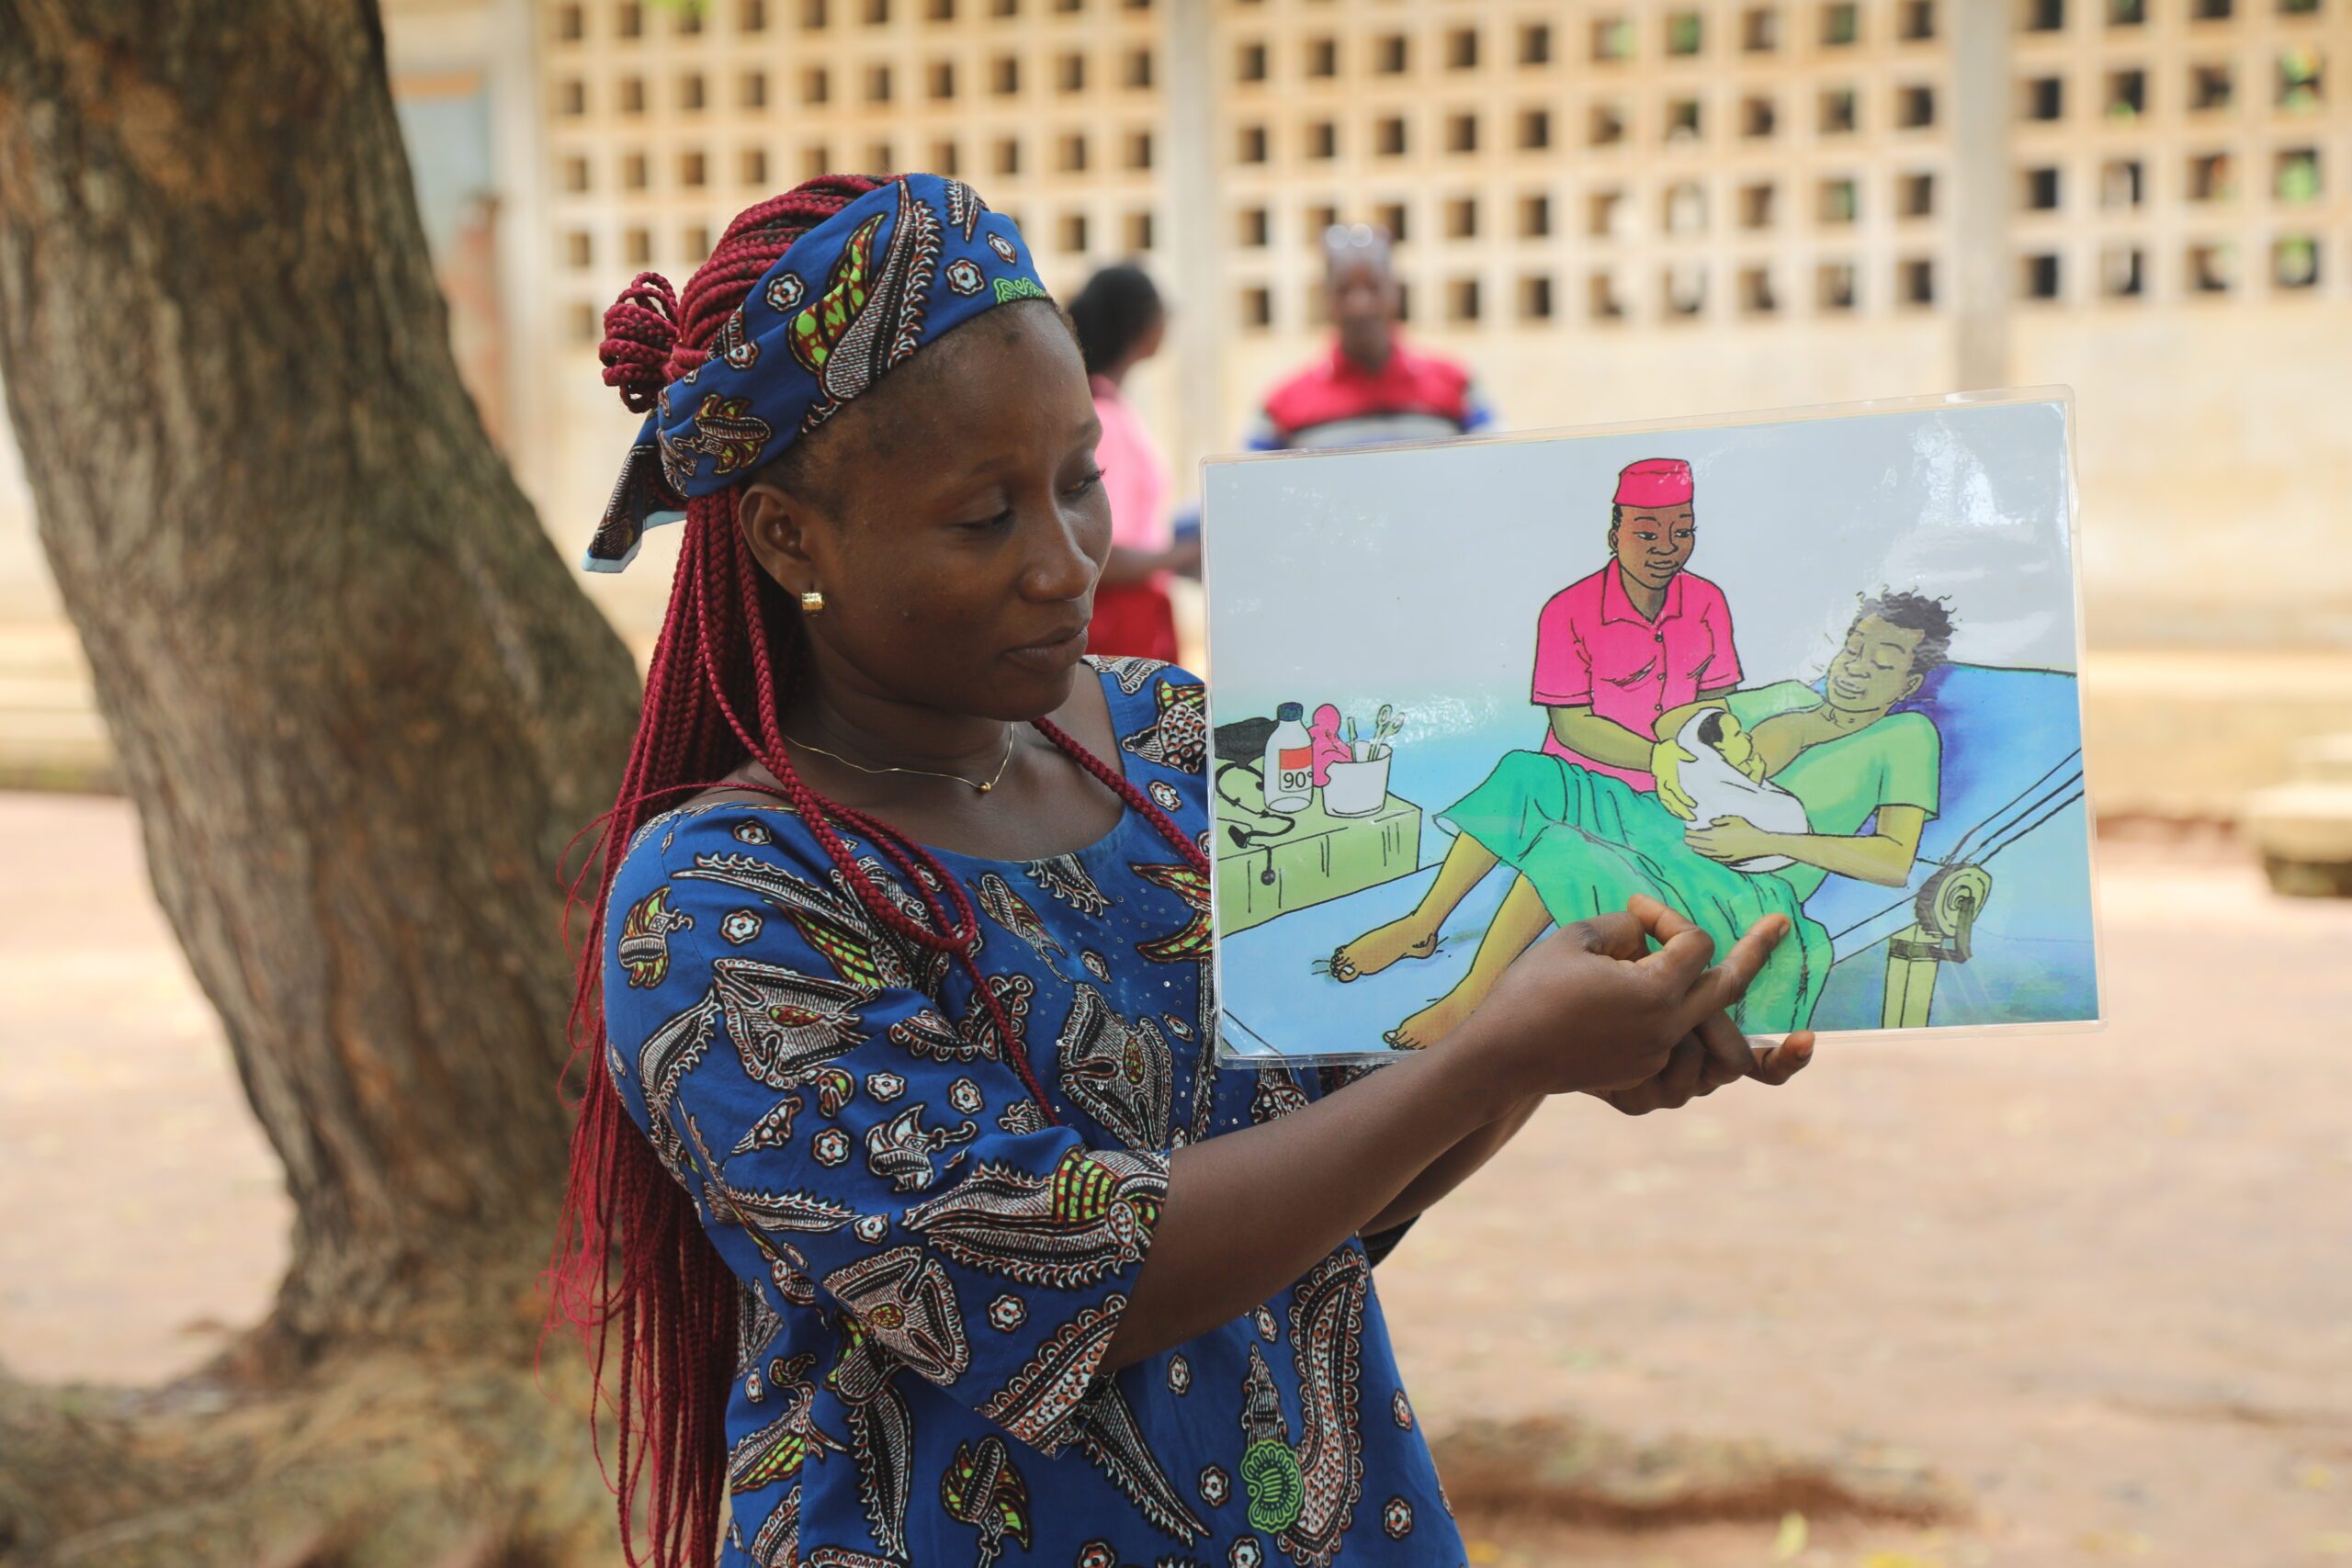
(633, 1273)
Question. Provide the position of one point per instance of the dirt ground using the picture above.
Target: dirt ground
(2099, 1285)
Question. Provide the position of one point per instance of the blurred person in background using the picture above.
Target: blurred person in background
(1121, 321)
(1372, 386)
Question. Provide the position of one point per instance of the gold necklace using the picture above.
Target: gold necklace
(994, 779)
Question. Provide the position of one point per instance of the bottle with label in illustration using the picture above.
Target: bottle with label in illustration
(1290, 762)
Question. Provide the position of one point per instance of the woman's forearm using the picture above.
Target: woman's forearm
(1249, 1212)
(1453, 1167)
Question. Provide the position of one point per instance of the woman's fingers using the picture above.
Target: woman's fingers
(1729, 1055)
(1679, 1080)
(1662, 923)
(1678, 967)
(1674, 1084)
(1719, 988)
(1618, 934)
(1710, 1050)
(1787, 1059)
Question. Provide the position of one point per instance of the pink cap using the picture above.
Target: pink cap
(1654, 482)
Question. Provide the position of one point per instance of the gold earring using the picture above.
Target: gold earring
(812, 602)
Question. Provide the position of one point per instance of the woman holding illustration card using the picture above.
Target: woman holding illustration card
(907, 1185)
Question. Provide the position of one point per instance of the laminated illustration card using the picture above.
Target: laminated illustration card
(1818, 665)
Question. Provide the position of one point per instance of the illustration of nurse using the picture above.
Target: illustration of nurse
(1640, 638)
(1614, 653)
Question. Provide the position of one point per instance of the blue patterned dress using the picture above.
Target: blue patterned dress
(931, 1269)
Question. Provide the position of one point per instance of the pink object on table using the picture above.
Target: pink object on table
(1329, 748)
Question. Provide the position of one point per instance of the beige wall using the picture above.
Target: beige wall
(2215, 469)
(2211, 425)
(2188, 402)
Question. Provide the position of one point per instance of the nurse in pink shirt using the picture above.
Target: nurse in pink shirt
(1614, 654)
(1638, 638)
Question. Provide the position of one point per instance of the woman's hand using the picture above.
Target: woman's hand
(1591, 1008)
(1732, 839)
(1667, 758)
(1710, 1056)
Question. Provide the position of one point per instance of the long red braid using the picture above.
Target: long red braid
(633, 1273)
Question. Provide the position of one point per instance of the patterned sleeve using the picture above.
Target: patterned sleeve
(846, 1141)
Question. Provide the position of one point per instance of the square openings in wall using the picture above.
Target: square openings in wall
(1602, 302)
(2294, 262)
(2211, 269)
(2123, 183)
(1915, 282)
(2122, 272)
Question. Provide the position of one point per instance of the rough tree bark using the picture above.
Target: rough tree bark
(360, 707)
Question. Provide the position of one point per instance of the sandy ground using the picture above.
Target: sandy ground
(2101, 1282)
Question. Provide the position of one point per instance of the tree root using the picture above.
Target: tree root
(376, 1457)
(433, 1453)
(1565, 1472)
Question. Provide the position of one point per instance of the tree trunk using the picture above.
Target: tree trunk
(356, 700)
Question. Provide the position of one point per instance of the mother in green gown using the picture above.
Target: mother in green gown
(1582, 843)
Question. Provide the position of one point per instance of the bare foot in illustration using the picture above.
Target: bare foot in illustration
(1377, 949)
(1433, 1023)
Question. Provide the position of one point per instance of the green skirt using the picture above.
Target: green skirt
(1588, 843)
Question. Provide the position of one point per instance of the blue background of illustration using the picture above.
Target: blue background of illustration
(1352, 579)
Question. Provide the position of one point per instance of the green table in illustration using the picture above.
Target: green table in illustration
(1270, 864)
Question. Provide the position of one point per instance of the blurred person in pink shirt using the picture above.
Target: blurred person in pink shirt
(1121, 321)
(1642, 637)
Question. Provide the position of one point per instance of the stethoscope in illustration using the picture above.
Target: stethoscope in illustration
(1278, 826)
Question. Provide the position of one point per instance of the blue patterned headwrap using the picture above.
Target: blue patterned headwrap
(851, 298)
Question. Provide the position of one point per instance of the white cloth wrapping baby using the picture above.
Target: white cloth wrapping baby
(1719, 790)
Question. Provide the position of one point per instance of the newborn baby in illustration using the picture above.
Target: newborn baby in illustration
(1725, 778)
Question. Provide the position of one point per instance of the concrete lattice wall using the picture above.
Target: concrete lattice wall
(1616, 210)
